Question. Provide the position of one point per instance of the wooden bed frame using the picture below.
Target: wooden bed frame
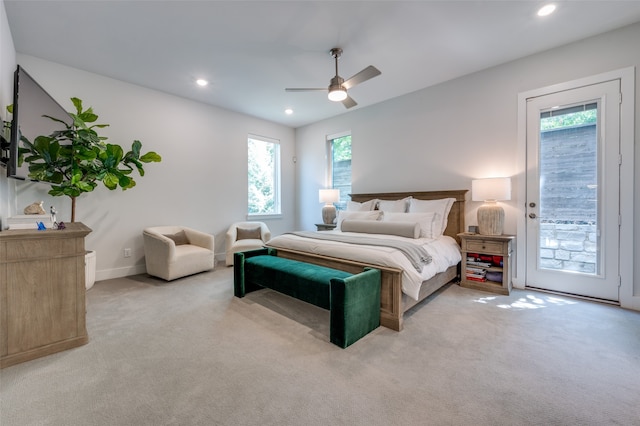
(393, 303)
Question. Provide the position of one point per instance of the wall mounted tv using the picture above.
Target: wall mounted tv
(31, 103)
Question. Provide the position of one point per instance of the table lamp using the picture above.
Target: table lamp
(328, 197)
(490, 214)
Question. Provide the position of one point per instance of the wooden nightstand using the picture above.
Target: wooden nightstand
(486, 262)
(325, 226)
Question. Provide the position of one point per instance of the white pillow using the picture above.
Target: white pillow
(425, 220)
(353, 206)
(363, 215)
(401, 229)
(395, 206)
(440, 207)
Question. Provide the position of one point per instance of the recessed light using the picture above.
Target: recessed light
(288, 111)
(201, 82)
(546, 10)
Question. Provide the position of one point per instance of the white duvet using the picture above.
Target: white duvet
(444, 251)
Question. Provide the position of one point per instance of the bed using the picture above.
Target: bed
(394, 302)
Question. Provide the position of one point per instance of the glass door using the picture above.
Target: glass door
(573, 191)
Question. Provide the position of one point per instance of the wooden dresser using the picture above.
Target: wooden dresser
(42, 292)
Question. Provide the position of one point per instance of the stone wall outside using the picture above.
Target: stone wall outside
(568, 214)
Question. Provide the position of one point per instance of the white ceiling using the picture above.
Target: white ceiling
(251, 50)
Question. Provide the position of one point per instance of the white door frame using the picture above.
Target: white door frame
(627, 118)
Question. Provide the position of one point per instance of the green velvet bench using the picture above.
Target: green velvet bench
(353, 300)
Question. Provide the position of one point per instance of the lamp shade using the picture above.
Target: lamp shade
(494, 189)
(328, 196)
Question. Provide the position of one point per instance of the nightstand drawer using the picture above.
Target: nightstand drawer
(485, 246)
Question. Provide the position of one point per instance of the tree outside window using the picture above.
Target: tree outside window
(264, 176)
(340, 167)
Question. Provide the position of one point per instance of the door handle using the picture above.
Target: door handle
(532, 215)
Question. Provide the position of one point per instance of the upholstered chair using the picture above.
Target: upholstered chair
(172, 252)
(243, 236)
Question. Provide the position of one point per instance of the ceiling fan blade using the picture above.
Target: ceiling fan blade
(305, 89)
(349, 102)
(364, 75)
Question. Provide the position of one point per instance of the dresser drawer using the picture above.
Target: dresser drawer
(485, 246)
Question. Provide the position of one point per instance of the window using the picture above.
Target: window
(264, 175)
(339, 147)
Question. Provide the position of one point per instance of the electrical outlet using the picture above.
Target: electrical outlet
(127, 252)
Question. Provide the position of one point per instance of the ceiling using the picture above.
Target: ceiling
(250, 51)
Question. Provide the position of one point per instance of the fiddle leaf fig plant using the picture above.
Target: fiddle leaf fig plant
(73, 160)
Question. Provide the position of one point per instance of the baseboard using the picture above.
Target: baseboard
(575, 296)
(106, 274)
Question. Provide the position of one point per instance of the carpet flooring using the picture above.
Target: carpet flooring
(189, 353)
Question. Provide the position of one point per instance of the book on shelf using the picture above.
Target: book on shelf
(482, 279)
(476, 276)
(475, 269)
(479, 264)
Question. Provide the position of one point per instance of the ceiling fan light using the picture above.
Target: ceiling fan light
(338, 94)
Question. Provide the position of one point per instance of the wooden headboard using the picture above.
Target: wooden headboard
(455, 224)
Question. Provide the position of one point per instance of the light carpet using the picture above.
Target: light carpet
(189, 353)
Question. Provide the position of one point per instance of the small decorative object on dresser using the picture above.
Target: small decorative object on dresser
(486, 262)
(35, 208)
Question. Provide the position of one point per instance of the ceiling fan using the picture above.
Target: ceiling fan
(338, 86)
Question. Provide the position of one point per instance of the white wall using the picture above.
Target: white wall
(7, 66)
(443, 136)
(201, 181)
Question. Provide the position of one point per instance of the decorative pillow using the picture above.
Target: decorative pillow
(395, 206)
(370, 215)
(248, 233)
(440, 207)
(401, 229)
(353, 206)
(179, 238)
(424, 220)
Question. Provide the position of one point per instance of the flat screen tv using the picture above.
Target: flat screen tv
(31, 103)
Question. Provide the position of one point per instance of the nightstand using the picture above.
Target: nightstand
(486, 262)
(325, 226)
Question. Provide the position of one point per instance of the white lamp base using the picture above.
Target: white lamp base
(328, 214)
(490, 219)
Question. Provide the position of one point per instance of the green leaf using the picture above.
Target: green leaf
(88, 116)
(56, 191)
(10, 109)
(71, 191)
(126, 182)
(136, 146)
(77, 177)
(78, 104)
(85, 187)
(151, 157)
(56, 177)
(110, 181)
(86, 154)
(111, 156)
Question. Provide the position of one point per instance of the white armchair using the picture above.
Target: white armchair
(172, 252)
(243, 236)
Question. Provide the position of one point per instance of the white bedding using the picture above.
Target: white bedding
(444, 251)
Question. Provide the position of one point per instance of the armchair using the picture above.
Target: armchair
(172, 252)
(243, 236)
